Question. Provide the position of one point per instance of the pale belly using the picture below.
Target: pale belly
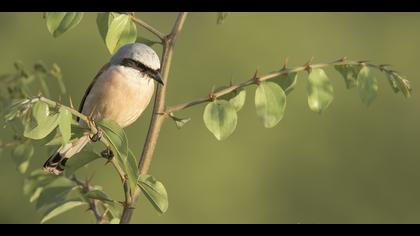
(120, 94)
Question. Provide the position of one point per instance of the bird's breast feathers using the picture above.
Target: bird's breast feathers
(119, 93)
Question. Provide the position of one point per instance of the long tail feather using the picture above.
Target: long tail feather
(56, 163)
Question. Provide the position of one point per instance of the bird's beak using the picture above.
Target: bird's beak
(158, 78)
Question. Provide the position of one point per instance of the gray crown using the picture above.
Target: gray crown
(139, 52)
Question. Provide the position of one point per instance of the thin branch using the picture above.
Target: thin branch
(157, 117)
(255, 80)
(93, 205)
(148, 27)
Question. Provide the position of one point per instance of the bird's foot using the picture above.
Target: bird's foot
(97, 136)
(108, 154)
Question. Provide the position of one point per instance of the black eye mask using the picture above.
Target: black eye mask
(140, 67)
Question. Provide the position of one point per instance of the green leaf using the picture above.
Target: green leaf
(40, 111)
(55, 191)
(103, 20)
(64, 124)
(61, 208)
(132, 171)
(60, 22)
(99, 195)
(320, 91)
(287, 81)
(79, 160)
(53, 139)
(349, 73)
(367, 85)
(236, 98)
(121, 31)
(270, 103)
(155, 192)
(221, 17)
(403, 85)
(43, 128)
(22, 155)
(14, 110)
(220, 118)
(117, 138)
(393, 82)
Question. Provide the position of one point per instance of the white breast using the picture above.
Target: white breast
(121, 94)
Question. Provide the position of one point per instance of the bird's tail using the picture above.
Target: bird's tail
(56, 163)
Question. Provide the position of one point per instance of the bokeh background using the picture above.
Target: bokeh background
(352, 164)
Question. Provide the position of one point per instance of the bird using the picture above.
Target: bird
(120, 91)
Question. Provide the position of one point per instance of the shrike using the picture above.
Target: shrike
(120, 91)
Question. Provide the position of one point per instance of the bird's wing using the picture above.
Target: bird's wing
(82, 103)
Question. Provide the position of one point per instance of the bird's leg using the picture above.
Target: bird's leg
(98, 135)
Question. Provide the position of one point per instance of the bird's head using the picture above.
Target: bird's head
(140, 57)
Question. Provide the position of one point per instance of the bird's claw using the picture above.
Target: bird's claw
(97, 136)
(108, 154)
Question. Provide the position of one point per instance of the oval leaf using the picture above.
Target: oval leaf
(393, 82)
(43, 128)
(287, 82)
(367, 85)
(121, 31)
(155, 192)
(60, 22)
(132, 171)
(117, 138)
(61, 208)
(220, 118)
(270, 103)
(236, 98)
(22, 155)
(320, 91)
(64, 124)
(403, 85)
(349, 73)
(40, 111)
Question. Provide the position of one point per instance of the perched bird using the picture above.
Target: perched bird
(120, 91)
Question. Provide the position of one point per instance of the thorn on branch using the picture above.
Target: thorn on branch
(308, 64)
(212, 97)
(256, 79)
(71, 102)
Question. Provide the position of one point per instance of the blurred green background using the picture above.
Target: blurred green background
(352, 164)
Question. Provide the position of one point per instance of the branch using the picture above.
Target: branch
(92, 202)
(148, 27)
(157, 117)
(87, 120)
(94, 130)
(256, 80)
